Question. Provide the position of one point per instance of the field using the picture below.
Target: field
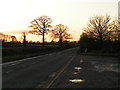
(11, 52)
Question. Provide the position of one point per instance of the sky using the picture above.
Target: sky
(15, 15)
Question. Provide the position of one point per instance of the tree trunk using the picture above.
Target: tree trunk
(60, 42)
(43, 38)
(24, 39)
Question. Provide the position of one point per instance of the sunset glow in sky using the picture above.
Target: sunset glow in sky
(15, 15)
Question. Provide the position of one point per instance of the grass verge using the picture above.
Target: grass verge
(17, 53)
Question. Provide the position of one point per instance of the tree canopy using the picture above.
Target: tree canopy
(101, 33)
(41, 26)
(98, 27)
(60, 31)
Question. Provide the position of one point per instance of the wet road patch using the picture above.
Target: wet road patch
(106, 67)
(76, 80)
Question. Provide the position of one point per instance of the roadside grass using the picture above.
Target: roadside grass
(21, 56)
(17, 53)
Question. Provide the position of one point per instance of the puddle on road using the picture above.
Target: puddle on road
(76, 80)
(77, 68)
(107, 67)
(75, 73)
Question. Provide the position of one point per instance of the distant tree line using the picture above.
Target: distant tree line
(7, 38)
(42, 26)
(102, 34)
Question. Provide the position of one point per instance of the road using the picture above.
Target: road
(90, 71)
(36, 71)
(63, 69)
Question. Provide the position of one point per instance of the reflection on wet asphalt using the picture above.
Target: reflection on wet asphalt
(76, 80)
(106, 67)
(90, 72)
(77, 68)
(75, 72)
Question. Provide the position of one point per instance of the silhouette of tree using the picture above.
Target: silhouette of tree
(14, 39)
(61, 32)
(86, 42)
(98, 27)
(6, 38)
(115, 32)
(41, 26)
(102, 34)
(24, 39)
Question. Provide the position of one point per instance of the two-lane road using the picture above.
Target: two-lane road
(28, 73)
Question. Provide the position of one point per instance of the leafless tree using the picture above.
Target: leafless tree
(60, 31)
(41, 26)
(98, 27)
(114, 30)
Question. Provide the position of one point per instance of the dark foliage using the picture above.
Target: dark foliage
(106, 46)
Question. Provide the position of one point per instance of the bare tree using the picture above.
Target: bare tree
(14, 39)
(6, 38)
(100, 33)
(98, 27)
(61, 32)
(41, 26)
(114, 32)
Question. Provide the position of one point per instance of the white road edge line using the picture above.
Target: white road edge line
(14, 64)
(48, 86)
(29, 58)
(19, 60)
(24, 59)
(9, 71)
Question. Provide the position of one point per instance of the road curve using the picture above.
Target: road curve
(31, 72)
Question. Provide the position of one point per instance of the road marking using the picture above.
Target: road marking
(9, 71)
(61, 70)
(81, 60)
(18, 61)
(75, 73)
(33, 57)
(52, 75)
(26, 59)
(14, 64)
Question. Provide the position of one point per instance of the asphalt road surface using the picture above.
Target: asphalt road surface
(36, 71)
(87, 71)
(64, 69)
